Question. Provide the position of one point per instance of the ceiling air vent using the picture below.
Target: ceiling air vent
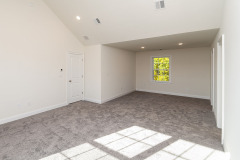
(98, 20)
(160, 4)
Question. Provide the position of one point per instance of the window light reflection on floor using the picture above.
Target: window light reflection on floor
(184, 150)
(132, 141)
(135, 140)
(84, 151)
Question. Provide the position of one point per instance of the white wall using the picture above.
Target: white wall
(190, 72)
(118, 72)
(231, 30)
(93, 73)
(33, 48)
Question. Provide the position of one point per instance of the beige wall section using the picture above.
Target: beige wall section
(93, 73)
(190, 72)
(231, 31)
(33, 48)
(118, 72)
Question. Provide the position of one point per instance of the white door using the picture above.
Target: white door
(75, 79)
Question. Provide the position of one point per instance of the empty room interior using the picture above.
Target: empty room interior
(119, 79)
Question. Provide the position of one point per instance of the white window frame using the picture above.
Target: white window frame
(152, 69)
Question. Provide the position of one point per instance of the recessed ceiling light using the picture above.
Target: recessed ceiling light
(78, 17)
(142, 47)
(180, 44)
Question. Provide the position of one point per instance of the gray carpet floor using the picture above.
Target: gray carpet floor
(54, 131)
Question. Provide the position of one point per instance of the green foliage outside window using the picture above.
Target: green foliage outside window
(161, 69)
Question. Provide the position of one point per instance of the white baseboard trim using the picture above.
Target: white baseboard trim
(108, 99)
(92, 100)
(120, 95)
(175, 94)
(28, 114)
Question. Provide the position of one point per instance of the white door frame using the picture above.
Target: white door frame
(213, 79)
(220, 84)
(67, 78)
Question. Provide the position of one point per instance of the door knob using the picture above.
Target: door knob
(70, 80)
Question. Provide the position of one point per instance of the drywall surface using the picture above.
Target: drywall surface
(33, 48)
(93, 73)
(136, 19)
(230, 30)
(190, 72)
(118, 72)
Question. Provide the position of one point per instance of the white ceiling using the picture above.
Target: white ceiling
(125, 20)
(190, 40)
